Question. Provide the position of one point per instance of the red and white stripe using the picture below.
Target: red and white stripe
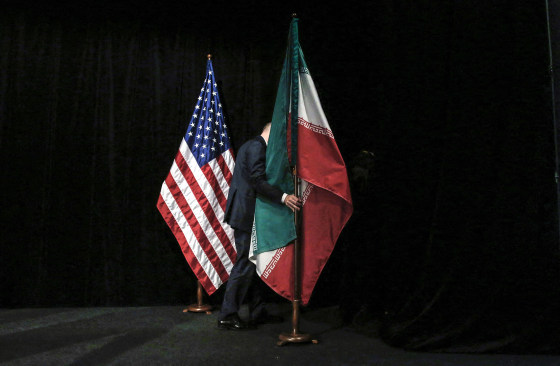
(192, 201)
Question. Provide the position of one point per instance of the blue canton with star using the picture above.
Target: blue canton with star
(207, 135)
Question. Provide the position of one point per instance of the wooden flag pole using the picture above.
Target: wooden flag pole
(199, 307)
(295, 336)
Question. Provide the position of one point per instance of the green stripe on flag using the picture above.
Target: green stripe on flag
(294, 52)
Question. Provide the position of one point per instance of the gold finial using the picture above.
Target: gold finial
(209, 56)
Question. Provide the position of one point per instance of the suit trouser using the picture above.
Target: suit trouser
(238, 285)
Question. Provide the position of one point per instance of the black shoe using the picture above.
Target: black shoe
(232, 322)
(266, 319)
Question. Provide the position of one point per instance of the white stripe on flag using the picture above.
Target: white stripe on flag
(311, 109)
(230, 161)
(219, 176)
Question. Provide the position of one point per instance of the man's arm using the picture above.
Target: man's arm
(257, 166)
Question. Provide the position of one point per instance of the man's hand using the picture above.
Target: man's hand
(293, 202)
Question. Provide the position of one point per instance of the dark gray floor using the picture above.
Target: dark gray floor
(167, 336)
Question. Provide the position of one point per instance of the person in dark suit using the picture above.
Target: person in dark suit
(249, 180)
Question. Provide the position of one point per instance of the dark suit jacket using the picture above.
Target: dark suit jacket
(249, 179)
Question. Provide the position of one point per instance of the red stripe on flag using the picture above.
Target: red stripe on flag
(187, 252)
(328, 206)
(281, 277)
(323, 218)
(225, 170)
(196, 228)
(211, 178)
(206, 206)
(320, 162)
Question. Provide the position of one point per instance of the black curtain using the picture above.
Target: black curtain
(460, 216)
(92, 117)
(553, 25)
(441, 111)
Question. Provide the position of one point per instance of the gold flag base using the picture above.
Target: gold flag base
(199, 307)
(293, 337)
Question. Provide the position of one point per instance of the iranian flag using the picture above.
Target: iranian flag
(300, 137)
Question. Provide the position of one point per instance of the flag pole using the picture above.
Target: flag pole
(295, 336)
(199, 306)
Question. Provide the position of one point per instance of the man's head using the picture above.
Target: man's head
(266, 131)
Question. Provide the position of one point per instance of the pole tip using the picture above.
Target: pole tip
(294, 15)
(209, 56)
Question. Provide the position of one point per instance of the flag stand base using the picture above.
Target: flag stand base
(295, 336)
(285, 338)
(199, 307)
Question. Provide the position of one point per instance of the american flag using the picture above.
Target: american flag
(193, 197)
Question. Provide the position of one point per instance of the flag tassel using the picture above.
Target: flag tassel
(200, 306)
(295, 336)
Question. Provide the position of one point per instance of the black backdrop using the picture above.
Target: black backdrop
(453, 245)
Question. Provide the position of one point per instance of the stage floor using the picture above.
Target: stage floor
(164, 335)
